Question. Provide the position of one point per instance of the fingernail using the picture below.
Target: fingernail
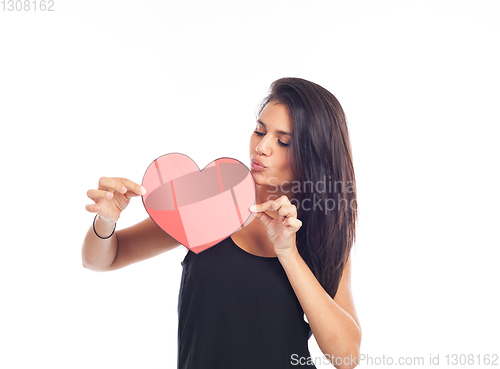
(109, 195)
(253, 208)
(124, 189)
(143, 190)
(97, 209)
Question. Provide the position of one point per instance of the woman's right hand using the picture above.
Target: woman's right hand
(112, 197)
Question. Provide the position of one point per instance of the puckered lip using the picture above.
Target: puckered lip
(258, 162)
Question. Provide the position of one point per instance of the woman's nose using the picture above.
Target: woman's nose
(262, 147)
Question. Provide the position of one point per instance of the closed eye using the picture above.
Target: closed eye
(260, 134)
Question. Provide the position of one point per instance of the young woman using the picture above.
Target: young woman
(254, 299)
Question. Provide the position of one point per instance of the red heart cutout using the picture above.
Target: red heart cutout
(198, 208)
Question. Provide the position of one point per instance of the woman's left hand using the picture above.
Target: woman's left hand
(281, 230)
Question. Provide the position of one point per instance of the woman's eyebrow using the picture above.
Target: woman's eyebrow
(280, 132)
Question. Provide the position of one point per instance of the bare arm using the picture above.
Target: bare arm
(127, 246)
(99, 254)
(139, 242)
(333, 322)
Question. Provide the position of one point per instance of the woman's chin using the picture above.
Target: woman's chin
(259, 177)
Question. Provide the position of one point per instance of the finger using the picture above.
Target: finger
(287, 211)
(263, 217)
(111, 184)
(261, 207)
(293, 223)
(130, 194)
(99, 194)
(93, 208)
(282, 206)
(137, 189)
(280, 202)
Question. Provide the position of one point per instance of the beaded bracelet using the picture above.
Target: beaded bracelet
(102, 238)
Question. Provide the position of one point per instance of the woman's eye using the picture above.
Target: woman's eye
(279, 142)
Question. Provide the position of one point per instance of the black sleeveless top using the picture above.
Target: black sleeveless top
(238, 310)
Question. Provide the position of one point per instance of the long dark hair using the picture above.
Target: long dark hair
(320, 151)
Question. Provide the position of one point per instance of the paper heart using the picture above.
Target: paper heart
(198, 208)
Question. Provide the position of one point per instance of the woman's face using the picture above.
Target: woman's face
(269, 144)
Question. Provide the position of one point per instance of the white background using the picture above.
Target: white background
(102, 88)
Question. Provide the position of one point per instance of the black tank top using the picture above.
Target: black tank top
(238, 310)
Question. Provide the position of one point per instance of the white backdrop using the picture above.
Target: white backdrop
(102, 88)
